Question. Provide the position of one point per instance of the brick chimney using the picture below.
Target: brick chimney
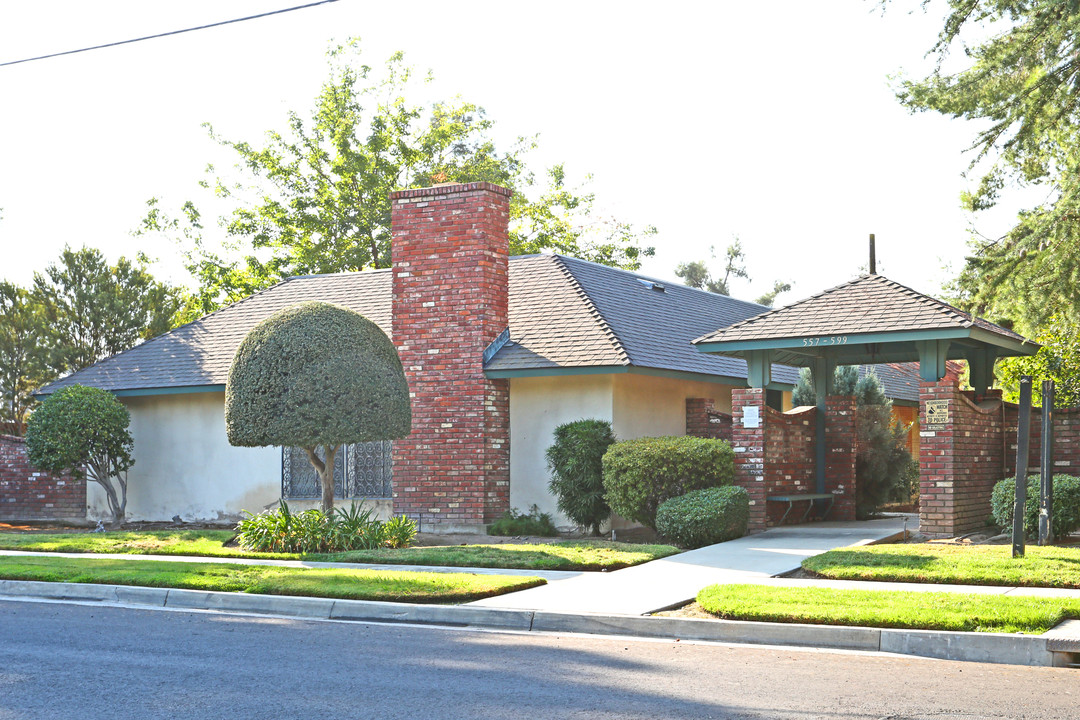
(450, 260)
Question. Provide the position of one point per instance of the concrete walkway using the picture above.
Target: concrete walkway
(675, 580)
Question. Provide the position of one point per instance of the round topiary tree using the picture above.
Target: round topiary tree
(577, 471)
(316, 375)
(83, 431)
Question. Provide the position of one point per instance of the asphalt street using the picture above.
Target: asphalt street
(61, 660)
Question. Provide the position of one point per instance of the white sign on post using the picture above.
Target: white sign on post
(751, 417)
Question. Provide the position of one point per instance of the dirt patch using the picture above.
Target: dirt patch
(690, 610)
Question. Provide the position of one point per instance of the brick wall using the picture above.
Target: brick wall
(778, 457)
(959, 462)
(1066, 440)
(840, 455)
(450, 256)
(703, 420)
(789, 458)
(29, 494)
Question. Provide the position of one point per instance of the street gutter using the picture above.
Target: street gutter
(1059, 647)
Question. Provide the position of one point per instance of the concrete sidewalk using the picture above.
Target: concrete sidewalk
(675, 580)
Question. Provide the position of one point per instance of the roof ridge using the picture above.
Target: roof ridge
(170, 331)
(773, 311)
(605, 327)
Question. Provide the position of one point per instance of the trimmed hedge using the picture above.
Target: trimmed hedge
(641, 474)
(705, 517)
(1065, 518)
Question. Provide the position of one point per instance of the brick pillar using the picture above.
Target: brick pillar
(749, 445)
(937, 468)
(840, 455)
(450, 257)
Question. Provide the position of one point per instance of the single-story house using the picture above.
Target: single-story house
(498, 351)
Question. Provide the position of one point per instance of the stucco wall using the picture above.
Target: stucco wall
(537, 406)
(647, 406)
(185, 466)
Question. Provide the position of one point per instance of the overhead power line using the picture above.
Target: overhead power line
(166, 34)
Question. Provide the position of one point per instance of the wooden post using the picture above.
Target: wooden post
(1046, 466)
(1023, 439)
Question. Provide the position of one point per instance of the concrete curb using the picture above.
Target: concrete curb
(972, 647)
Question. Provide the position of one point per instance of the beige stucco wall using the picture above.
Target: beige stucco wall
(647, 406)
(537, 406)
(185, 466)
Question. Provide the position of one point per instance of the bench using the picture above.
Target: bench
(809, 497)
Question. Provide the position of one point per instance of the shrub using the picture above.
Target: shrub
(316, 375)
(704, 517)
(313, 531)
(575, 460)
(514, 522)
(83, 431)
(1066, 515)
(641, 474)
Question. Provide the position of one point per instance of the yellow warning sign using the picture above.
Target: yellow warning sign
(937, 412)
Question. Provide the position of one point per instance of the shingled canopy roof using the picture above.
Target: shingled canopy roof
(869, 320)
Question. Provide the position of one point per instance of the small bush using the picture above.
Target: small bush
(704, 517)
(575, 460)
(641, 474)
(514, 522)
(313, 531)
(1066, 515)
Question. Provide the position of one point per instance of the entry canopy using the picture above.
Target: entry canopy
(866, 321)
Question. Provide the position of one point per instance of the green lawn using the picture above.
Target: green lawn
(961, 564)
(566, 555)
(888, 609)
(414, 587)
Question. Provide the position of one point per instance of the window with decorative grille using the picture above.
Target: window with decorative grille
(363, 470)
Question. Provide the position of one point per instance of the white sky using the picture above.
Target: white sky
(770, 121)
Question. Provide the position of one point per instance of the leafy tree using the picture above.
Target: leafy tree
(882, 461)
(577, 472)
(1058, 359)
(316, 376)
(93, 310)
(83, 431)
(316, 198)
(23, 354)
(1021, 84)
(696, 274)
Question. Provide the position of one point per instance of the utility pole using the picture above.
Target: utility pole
(1023, 439)
(873, 255)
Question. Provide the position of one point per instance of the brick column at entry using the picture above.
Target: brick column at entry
(450, 286)
(749, 445)
(840, 455)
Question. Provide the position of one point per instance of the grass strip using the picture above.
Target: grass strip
(568, 555)
(393, 586)
(205, 543)
(1046, 566)
(888, 609)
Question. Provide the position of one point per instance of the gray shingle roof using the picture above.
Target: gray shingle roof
(868, 304)
(564, 313)
(201, 352)
(616, 318)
